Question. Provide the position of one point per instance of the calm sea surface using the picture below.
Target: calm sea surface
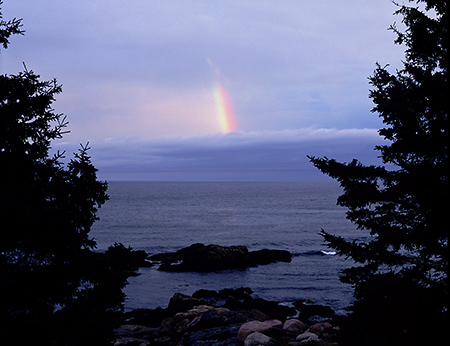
(160, 217)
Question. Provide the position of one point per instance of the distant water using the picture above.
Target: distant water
(161, 217)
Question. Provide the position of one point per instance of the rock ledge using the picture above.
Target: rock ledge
(209, 258)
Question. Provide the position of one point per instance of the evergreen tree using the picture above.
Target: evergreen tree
(401, 276)
(11, 27)
(54, 289)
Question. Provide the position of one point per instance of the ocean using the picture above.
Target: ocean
(162, 217)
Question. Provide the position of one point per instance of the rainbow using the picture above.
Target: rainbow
(224, 109)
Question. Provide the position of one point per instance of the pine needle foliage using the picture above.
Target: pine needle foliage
(54, 288)
(402, 205)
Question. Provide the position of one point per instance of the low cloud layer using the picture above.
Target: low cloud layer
(256, 156)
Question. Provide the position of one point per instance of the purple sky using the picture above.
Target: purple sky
(138, 82)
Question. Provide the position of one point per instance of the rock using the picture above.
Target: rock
(308, 310)
(266, 256)
(317, 319)
(146, 317)
(273, 309)
(139, 258)
(233, 303)
(238, 293)
(182, 326)
(201, 309)
(209, 258)
(277, 333)
(307, 336)
(205, 294)
(233, 298)
(321, 329)
(213, 336)
(257, 326)
(194, 323)
(164, 340)
(210, 319)
(254, 314)
(191, 321)
(204, 258)
(126, 259)
(166, 325)
(131, 342)
(181, 302)
(135, 331)
(256, 339)
(182, 321)
(294, 326)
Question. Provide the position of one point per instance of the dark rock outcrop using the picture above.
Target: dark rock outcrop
(308, 311)
(182, 302)
(204, 258)
(209, 258)
(267, 256)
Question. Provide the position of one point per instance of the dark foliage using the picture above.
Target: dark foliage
(8, 28)
(401, 280)
(54, 289)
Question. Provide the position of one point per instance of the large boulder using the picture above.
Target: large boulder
(307, 337)
(257, 339)
(322, 329)
(294, 326)
(257, 326)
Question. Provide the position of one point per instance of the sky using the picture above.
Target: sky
(201, 90)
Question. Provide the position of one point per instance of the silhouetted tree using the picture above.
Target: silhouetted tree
(54, 290)
(8, 28)
(401, 277)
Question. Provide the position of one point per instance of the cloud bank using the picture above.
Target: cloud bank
(237, 156)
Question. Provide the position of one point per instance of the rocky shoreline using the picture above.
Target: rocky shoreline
(229, 317)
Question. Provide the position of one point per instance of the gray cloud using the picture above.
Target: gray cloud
(272, 155)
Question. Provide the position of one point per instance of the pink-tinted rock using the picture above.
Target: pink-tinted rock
(307, 336)
(321, 329)
(294, 326)
(257, 326)
(257, 339)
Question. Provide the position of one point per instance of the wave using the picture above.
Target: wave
(316, 253)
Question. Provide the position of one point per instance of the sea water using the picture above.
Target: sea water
(162, 217)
